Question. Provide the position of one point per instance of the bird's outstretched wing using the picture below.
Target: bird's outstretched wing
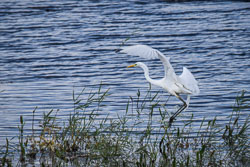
(143, 51)
(147, 52)
(188, 80)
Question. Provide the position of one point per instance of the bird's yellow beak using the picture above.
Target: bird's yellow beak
(133, 65)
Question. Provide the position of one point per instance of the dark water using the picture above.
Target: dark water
(48, 48)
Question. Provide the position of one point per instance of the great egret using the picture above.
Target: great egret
(175, 85)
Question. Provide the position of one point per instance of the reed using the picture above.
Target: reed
(85, 139)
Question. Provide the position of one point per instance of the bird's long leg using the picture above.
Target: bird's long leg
(171, 119)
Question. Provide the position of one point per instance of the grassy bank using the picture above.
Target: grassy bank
(85, 139)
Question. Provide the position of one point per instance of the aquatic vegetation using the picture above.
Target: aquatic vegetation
(85, 139)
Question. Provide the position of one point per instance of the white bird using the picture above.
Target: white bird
(175, 85)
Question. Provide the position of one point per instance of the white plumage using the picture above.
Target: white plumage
(175, 85)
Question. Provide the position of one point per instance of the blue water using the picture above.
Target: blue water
(50, 48)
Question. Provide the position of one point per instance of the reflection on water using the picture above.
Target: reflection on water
(49, 48)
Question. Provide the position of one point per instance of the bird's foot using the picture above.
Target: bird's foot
(171, 120)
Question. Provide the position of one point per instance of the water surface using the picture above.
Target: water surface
(48, 49)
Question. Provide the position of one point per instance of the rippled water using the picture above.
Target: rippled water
(49, 48)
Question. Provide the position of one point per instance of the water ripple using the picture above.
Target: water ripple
(49, 48)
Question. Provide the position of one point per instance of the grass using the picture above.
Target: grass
(85, 139)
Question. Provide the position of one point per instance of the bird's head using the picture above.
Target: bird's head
(138, 64)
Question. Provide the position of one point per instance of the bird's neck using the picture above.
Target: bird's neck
(146, 74)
